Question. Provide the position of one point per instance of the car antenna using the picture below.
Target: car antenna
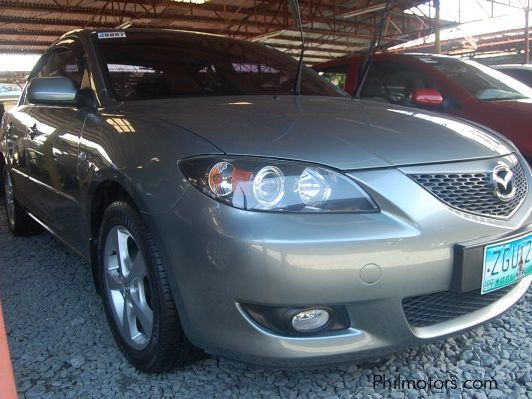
(374, 45)
(296, 15)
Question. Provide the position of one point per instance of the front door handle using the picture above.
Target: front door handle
(9, 128)
(33, 131)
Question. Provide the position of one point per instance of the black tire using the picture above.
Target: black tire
(168, 346)
(19, 223)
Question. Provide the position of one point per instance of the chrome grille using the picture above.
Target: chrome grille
(473, 192)
(426, 310)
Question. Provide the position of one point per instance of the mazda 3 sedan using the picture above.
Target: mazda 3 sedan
(225, 208)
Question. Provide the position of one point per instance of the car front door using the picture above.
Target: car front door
(394, 82)
(53, 149)
(15, 127)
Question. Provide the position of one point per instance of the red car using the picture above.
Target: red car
(450, 85)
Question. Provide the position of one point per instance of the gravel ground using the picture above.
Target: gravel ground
(61, 347)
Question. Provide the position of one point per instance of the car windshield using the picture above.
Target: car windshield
(153, 65)
(478, 80)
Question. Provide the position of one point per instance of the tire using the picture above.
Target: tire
(18, 220)
(134, 289)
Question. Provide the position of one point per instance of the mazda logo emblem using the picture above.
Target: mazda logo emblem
(503, 182)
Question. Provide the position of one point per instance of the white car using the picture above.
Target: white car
(521, 72)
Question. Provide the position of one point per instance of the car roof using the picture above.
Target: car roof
(85, 31)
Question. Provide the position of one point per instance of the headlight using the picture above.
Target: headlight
(276, 186)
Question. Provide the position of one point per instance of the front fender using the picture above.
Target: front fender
(139, 154)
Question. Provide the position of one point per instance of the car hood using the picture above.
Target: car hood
(339, 132)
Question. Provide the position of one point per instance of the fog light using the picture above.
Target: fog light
(310, 320)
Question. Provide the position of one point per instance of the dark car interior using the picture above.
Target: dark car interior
(151, 68)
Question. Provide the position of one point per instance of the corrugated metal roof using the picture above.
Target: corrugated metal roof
(333, 28)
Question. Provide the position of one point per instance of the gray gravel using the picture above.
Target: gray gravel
(61, 346)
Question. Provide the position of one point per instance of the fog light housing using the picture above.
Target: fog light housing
(310, 320)
(299, 321)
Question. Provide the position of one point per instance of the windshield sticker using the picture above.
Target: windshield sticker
(111, 35)
(129, 68)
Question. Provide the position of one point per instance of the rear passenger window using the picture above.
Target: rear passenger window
(337, 75)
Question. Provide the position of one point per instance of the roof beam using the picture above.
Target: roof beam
(73, 23)
(310, 48)
(176, 12)
(27, 43)
(18, 50)
(30, 32)
(168, 16)
(267, 21)
(345, 40)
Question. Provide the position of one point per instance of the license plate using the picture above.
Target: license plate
(506, 263)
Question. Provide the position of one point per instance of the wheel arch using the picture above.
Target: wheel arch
(111, 186)
(100, 195)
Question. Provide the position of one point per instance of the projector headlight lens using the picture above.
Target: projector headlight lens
(260, 184)
(268, 186)
(313, 186)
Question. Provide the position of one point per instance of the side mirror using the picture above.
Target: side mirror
(427, 97)
(52, 91)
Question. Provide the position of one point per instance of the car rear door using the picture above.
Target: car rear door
(53, 147)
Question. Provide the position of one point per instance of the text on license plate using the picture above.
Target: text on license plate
(506, 262)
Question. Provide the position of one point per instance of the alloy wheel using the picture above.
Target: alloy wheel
(128, 287)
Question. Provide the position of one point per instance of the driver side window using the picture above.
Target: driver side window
(393, 82)
(64, 61)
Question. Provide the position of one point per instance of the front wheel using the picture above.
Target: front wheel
(136, 293)
(18, 221)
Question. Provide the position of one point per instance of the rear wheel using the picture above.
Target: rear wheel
(18, 221)
(136, 294)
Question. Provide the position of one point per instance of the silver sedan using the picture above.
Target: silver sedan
(221, 209)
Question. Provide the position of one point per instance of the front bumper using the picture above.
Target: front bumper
(221, 257)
